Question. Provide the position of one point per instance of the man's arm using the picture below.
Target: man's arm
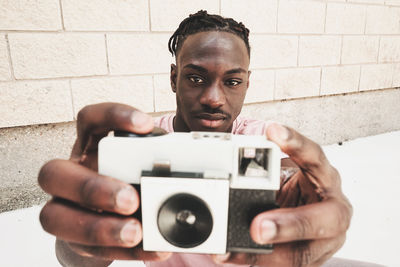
(314, 216)
(90, 214)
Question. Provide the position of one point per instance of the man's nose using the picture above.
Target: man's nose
(213, 96)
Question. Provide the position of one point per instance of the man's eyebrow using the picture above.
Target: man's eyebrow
(237, 70)
(196, 67)
(204, 70)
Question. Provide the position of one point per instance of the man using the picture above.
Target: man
(89, 213)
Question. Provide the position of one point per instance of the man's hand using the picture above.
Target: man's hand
(314, 216)
(89, 213)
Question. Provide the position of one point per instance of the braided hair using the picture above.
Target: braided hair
(203, 22)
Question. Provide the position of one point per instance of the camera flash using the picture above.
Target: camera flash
(249, 152)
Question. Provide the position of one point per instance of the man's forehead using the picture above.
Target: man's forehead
(215, 45)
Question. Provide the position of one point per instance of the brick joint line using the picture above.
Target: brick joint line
(107, 56)
(72, 99)
(62, 15)
(9, 58)
(149, 7)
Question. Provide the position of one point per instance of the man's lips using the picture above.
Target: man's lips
(211, 116)
(209, 120)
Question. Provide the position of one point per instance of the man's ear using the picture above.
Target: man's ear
(248, 79)
(173, 75)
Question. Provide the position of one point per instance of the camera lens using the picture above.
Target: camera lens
(186, 217)
(185, 221)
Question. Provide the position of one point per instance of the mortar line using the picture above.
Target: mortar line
(169, 32)
(274, 92)
(359, 3)
(332, 65)
(328, 95)
(359, 80)
(9, 58)
(103, 76)
(107, 59)
(393, 69)
(326, 12)
(341, 50)
(298, 50)
(62, 15)
(154, 93)
(277, 15)
(72, 99)
(85, 31)
(379, 50)
(365, 20)
(320, 81)
(106, 76)
(148, 6)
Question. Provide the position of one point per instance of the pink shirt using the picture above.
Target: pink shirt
(240, 126)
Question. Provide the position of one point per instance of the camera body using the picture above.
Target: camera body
(199, 190)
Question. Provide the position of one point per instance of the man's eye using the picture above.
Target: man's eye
(195, 79)
(233, 82)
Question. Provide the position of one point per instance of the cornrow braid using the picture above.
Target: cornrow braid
(203, 22)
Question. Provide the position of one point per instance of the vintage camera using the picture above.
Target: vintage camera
(200, 190)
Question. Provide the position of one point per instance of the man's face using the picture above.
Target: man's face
(210, 81)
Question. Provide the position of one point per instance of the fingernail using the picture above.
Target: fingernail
(141, 121)
(279, 133)
(129, 233)
(126, 200)
(222, 257)
(267, 230)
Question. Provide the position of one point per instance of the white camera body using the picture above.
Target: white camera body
(200, 190)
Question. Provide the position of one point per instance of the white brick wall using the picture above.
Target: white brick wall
(5, 73)
(258, 15)
(392, 2)
(58, 55)
(106, 15)
(164, 98)
(138, 53)
(294, 83)
(360, 49)
(261, 87)
(383, 20)
(135, 91)
(319, 50)
(345, 18)
(376, 76)
(270, 51)
(396, 75)
(23, 103)
(297, 16)
(389, 50)
(47, 55)
(167, 14)
(338, 80)
(368, 1)
(30, 15)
